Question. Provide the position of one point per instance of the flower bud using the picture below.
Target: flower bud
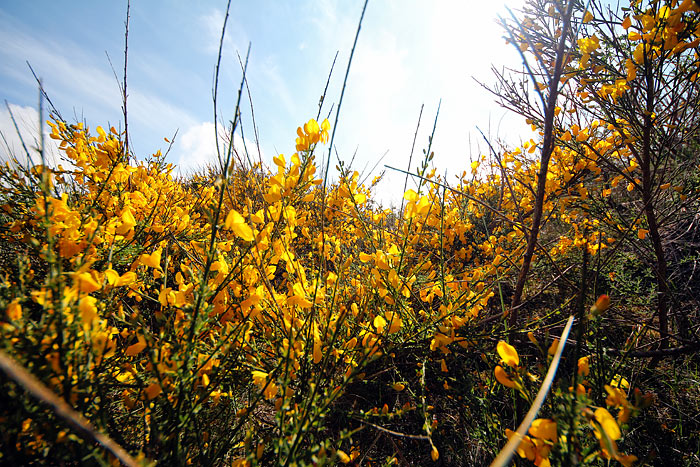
(602, 304)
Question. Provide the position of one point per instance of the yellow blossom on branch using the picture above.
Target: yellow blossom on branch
(236, 223)
(508, 354)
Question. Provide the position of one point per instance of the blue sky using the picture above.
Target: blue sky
(409, 53)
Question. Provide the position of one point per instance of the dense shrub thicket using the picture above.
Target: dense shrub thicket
(250, 315)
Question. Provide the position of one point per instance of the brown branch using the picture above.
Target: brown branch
(547, 149)
(391, 432)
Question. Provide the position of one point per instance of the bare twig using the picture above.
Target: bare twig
(547, 149)
(74, 419)
(410, 159)
(392, 432)
(124, 94)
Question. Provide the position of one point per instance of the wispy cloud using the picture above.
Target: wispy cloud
(64, 78)
(197, 148)
(11, 142)
(81, 84)
(413, 53)
(210, 24)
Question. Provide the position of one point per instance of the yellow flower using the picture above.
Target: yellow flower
(85, 282)
(14, 311)
(475, 167)
(236, 223)
(299, 297)
(152, 260)
(503, 378)
(394, 321)
(508, 354)
(101, 341)
(153, 390)
(602, 304)
(379, 323)
(88, 310)
(588, 45)
(526, 448)
(607, 423)
(443, 366)
(128, 222)
(342, 457)
(312, 134)
(260, 379)
(583, 366)
(544, 428)
(135, 349)
(127, 278)
(434, 454)
(317, 354)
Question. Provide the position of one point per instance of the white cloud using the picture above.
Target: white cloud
(196, 148)
(63, 78)
(27, 119)
(274, 81)
(76, 79)
(413, 53)
(211, 23)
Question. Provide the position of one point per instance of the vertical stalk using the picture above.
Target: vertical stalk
(547, 149)
(647, 188)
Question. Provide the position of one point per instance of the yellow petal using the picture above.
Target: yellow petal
(86, 283)
(14, 311)
(317, 352)
(279, 161)
(270, 391)
(127, 278)
(135, 349)
(88, 310)
(360, 198)
(410, 195)
(503, 378)
(153, 390)
(379, 323)
(583, 366)
(259, 378)
(236, 223)
(152, 260)
(395, 323)
(602, 304)
(128, 222)
(342, 457)
(608, 423)
(508, 354)
(112, 276)
(544, 428)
